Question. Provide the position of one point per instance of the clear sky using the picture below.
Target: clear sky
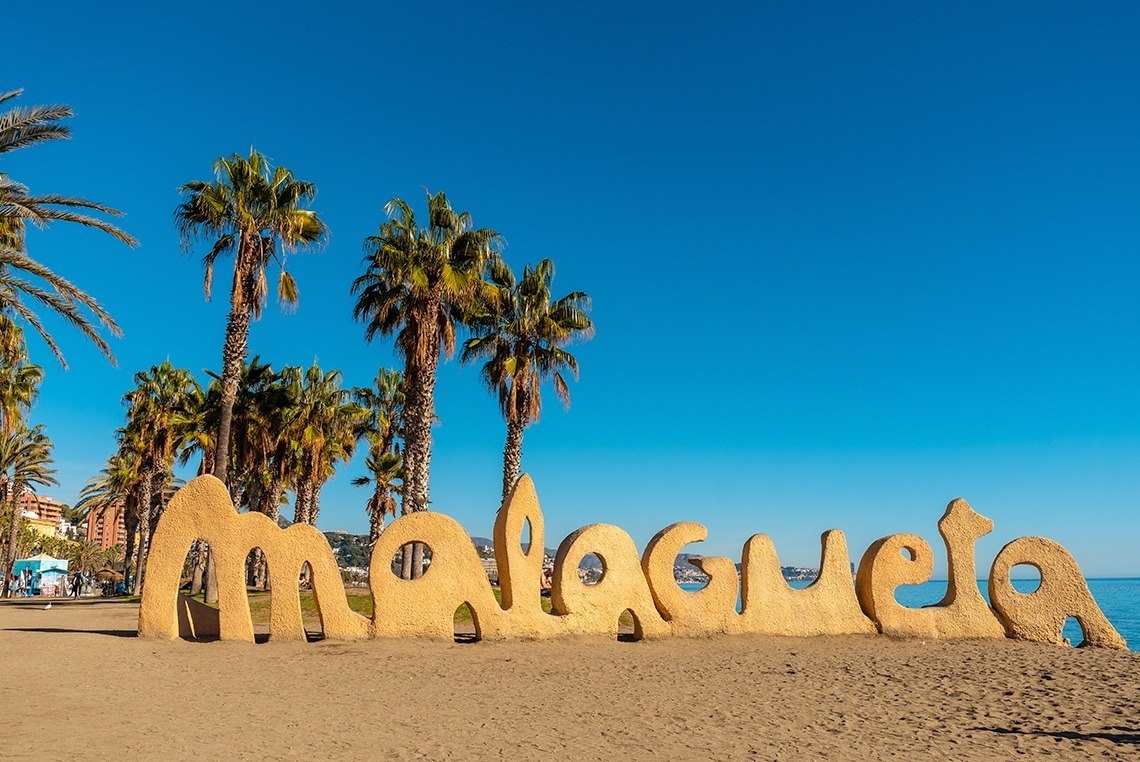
(847, 263)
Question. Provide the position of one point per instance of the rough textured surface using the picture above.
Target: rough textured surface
(595, 609)
(202, 510)
(426, 606)
(520, 572)
(827, 606)
(709, 610)
(644, 586)
(1063, 592)
(962, 613)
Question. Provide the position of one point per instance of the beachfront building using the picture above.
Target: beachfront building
(106, 527)
(41, 513)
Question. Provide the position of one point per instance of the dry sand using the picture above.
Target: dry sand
(78, 684)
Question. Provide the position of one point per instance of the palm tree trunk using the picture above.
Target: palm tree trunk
(376, 510)
(512, 456)
(315, 501)
(233, 355)
(199, 567)
(301, 508)
(131, 524)
(145, 485)
(211, 579)
(10, 549)
(419, 413)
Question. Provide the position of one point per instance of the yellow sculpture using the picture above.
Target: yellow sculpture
(202, 510)
(1063, 592)
(827, 606)
(962, 612)
(709, 610)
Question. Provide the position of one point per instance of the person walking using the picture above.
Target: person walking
(76, 584)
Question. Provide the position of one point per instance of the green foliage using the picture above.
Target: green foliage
(350, 549)
(253, 210)
(21, 127)
(521, 333)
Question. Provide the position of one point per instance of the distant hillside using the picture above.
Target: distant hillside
(352, 550)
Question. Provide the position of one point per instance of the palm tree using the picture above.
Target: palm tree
(417, 279)
(522, 335)
(19, 128)
(157, 407)
(384, 403)
(327, 426)
(25, 458)
(263, 452)
(385, 470)
(116, 489)
(84, 555)
(19, 387)
(253, 211)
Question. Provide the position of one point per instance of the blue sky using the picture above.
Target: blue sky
(847, 263)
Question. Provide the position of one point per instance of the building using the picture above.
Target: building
(106, 527)
(42, 513)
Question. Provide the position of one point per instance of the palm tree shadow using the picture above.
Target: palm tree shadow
(1116, 734)
(109, 633)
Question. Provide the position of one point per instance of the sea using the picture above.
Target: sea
(1119, 599)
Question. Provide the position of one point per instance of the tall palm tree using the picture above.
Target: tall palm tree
(327, 426)
(253, 211)
(25, 458)
(19, 128)
(384, 403)
(156, 409)
(417, 279)
(522, 335)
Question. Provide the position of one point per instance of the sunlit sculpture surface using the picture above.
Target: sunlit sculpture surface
(643, 586)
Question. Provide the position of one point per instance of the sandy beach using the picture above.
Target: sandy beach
(78, 683)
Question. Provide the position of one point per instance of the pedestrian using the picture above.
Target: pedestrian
(76, 584)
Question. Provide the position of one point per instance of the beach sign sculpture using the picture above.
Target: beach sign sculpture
(643, 585)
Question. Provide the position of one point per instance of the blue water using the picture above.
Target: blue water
(1119, 599)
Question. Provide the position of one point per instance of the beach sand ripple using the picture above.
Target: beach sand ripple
(78, 684)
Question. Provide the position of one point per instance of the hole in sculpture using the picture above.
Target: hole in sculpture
(1072, 633)
(256, 571)
(628, 627)
(524, 540)
(799, 577)
(591, 569)
(403, 562)
(193, 572)
(1025, 578)
(191, 583)
(466, 623)
(310, 614)
(908, 553)
(257, 578)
